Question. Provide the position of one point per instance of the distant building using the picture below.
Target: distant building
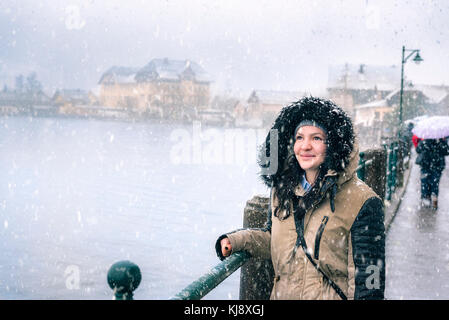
(13, 102)
(225, 103)
(443, 106)
(8, 103)
(266, 104)
(118, 87)
(166, 87)
(369, 113)
(74, 101)
(417, 100)
(71, 97)
(350, 85)
(438, 98)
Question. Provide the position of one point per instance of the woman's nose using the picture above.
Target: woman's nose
(306, 144)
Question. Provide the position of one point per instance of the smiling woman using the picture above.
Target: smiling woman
(317, 204)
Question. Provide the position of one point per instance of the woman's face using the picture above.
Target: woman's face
(310, 148)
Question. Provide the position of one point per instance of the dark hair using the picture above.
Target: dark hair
(340, 142)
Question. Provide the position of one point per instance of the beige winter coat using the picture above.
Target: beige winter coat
(330, 240)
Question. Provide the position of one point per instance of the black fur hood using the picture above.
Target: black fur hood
(342, 149)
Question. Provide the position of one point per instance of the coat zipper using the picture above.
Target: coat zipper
(318, 237)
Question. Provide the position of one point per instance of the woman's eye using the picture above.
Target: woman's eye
(298, 138)
(318, 138)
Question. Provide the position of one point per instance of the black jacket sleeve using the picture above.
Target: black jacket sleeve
(368, 248)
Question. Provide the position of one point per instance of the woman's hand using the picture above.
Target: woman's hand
(226, 247)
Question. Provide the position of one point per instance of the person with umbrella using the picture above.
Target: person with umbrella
(431, 150)
(432, 162)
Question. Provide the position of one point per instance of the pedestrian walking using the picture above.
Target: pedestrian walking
(325, 230)
(431, 159)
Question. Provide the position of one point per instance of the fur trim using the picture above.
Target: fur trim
(340, 137)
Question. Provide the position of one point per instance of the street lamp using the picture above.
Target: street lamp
(417, 59)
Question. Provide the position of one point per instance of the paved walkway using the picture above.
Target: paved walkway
(417, 245)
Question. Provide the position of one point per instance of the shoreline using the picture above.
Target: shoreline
(129, 118)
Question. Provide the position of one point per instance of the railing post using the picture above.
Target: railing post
(361, 171)
(387, 172)
(389, 151)
(124, 277)
(375, 173)
(256, 276)
(400, 163)
(394, 168)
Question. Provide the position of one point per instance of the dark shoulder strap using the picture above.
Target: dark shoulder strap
(299, 223)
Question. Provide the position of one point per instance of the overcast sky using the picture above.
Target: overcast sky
(280, 45)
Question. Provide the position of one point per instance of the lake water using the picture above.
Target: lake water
(78, 195)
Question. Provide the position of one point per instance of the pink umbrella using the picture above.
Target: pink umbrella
(435, 127)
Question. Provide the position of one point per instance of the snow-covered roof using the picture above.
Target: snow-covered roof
(163, 69)
(119, 74)
(436, 94)
(167, 69)
(275, 97)
(373, 104)
(363, 77)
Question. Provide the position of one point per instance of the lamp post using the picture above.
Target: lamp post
(399, 169)
(417, 59)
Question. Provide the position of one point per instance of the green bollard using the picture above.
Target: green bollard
(124, 277)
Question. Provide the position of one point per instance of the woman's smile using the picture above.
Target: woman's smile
(307, 156)
(310, 150)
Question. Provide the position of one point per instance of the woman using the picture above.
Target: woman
(325, 231)
(432, 162)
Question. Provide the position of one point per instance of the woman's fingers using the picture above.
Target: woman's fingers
(226, 247)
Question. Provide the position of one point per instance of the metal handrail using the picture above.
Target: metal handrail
(199, 288)
(366, 163)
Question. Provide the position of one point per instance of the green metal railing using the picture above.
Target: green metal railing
(199, 288)
(362, 165)
(124, 276)
(391, 175)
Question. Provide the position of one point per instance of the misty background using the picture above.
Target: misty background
(80, 191)
(243, 45)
